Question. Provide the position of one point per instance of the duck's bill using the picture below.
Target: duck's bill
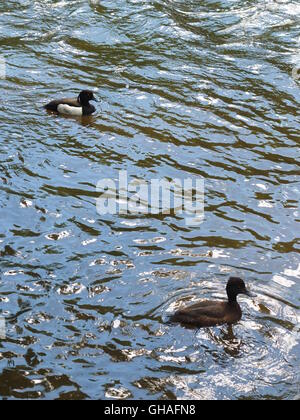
(95, 98)
(250, 294)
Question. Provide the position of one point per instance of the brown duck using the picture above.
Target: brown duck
(212, 313)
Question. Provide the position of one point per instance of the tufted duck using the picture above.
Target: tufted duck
(211, 313)
(78, 106)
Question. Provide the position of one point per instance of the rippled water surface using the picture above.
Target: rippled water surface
(187, 88)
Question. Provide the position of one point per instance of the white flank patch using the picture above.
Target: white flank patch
(69, 110)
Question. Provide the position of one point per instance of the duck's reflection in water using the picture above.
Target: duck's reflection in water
(226, 338)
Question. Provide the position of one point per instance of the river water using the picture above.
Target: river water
(205, 89)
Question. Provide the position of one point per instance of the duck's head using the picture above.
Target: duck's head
(86, 96)
(235, 287)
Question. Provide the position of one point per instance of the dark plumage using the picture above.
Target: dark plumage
(211, 313)
(76, 106)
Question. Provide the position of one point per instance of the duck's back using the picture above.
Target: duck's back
(208, 314)
(53, 105)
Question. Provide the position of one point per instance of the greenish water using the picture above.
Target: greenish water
(188, 88)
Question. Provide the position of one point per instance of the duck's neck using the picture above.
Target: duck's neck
(83, 101)
(232, 300)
